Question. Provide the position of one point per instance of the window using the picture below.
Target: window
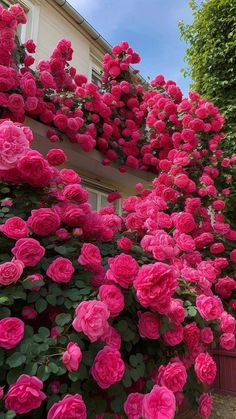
(31, 8)
(96, 78)
(98, 200)
(96, 70)
(98, 195)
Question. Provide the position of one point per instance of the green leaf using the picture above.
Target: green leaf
(16, 359)
(53, 367)
(10, 414)
(44, 332)
(41, 305)
(191, 311)
(43, 373)
(62, 319)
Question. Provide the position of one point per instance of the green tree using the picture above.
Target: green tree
(211, 58)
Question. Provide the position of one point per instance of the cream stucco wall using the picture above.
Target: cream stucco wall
(48, 23)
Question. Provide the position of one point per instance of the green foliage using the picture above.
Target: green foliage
(211, 58)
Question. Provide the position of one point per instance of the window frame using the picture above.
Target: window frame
(101, 190)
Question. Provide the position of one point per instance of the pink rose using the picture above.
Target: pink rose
(233, 255)
(159, 403)
(10, 272)
(148, 325)
(25, 395)
(108, 367)
(29, 251)
(124, 244)
(227, 341)
(210, 308)
(12, 331)
(207, 335)
(192, 335)
(91, 319)
(1, 393)
(227, 323)
(205, 368)
(60, 270)
(184, 222)
(35, 169)
(13, 145)
(173, 376)
(76, 193)
(44, 221)
(72, 356)
(176, 311)
(28, 312)
(90, 256)
(112, 338)
(133, 405)
(71, 406)
(69, 176)
(154, 285)
(205, 403)
(123, 269)
(225, 286)
(56, 156)
(34, 278)
(15, 228)
(30, 46)
(174, 336)
(113, 298)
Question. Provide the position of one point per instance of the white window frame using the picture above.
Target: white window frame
(101, 190)
(95, 66)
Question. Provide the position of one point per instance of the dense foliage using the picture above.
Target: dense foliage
(106, 316)
(211, 58)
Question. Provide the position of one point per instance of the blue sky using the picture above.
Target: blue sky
(150, 27)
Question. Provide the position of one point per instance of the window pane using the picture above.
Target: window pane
(104, 202)
(93, 199)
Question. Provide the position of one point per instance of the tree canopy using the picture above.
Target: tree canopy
(211, 58)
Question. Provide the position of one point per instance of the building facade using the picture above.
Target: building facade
(48, 22)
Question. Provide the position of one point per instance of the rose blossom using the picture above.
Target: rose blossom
(13, 145)
(159, 403)
(113, 298)
(10, 272)
(56, 157)
(28, 251)
(133, 405)
(123, 269)
(124, 244)
(44, 221)
(60, 270)
(227, 323)
(205, 403)
(90, 256)
(192, 335)
(112, 338)
(108, 367)
(11, 332)
(207, 335)
(71, 406)
(25, 394)
(174, 336)
(72, 356)
(176, 311)
(227, 341)
(91, 319)
(15, 228)
(173, 376)
(28, 312)
(154, 285)
(210, 308)
(148, 325)
(205, 368)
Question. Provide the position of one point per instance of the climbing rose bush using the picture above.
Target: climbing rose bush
(102, 315)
